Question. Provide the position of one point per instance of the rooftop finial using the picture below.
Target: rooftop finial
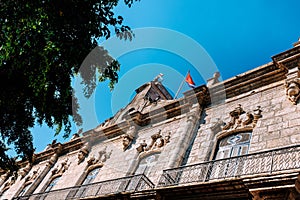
(158, 78)
(297, 43)
(214, 79)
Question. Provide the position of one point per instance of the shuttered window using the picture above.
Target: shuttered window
(233, 145)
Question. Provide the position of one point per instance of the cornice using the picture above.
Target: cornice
(67, 147)
(249, 81)
(175, 108)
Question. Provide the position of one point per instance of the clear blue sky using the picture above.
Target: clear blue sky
(236, 35)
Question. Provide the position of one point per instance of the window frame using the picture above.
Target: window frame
(54, 178)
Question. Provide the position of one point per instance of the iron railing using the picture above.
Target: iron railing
(264, 162)
(135, 183)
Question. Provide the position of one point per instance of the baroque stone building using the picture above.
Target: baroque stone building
(235, 139)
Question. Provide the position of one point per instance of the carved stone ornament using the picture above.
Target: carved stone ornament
(83, 153)
(103, 155)
(158, 78)
(241, 119)
(61, 168)
(54, 157)
(128, 137)
(11, 180)
(157, 141)
(24, 171)
(32, 176)
(293, 90)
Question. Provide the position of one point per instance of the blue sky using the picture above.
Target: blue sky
(235, 36)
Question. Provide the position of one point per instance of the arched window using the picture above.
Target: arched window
(146, 164)
(90, 177)
(52, 184)
(230, 146)
(233, 145)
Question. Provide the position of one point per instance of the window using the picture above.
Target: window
(85, 191)
(233, 145)
(91, 176)
(230, 146)
(146, 164)
(52, 184)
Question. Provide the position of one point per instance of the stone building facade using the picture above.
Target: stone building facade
(235, 139)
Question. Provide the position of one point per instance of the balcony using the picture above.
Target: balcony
(267, 162)
(129, 184)
(231, 178)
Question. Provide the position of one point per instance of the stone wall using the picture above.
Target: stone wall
(278, 126)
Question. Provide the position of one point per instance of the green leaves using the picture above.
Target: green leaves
(42, 45)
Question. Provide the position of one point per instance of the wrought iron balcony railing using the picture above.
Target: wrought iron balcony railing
(251, 164)
(135, 183)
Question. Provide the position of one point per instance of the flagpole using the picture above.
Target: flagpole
(180, 87)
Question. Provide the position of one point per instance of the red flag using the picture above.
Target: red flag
(189, 80)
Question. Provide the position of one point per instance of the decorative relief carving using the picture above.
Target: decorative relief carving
(142, 147)
(24, 171)
(157, 141)
(54, 157)
(32, 176)
(128, 137)
(4, 176)
(103, 156)
(158, 78)
(240, 119)
(60, 169)
(83, 153)
(11, 180)
(293, 90)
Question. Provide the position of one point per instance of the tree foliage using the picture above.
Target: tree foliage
(43, 44)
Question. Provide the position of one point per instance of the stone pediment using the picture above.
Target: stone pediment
(149, 96)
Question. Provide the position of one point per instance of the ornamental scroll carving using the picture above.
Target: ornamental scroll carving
(292, 89)
(103, 156)
(83, 153)
(24, 171)
(128, 137)
(32, 176)
(54, 157)
(11, 180)
(157, 141)
(61, 168)
(241, 119)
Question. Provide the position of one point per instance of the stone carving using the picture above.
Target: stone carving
(239, 118)
(23, 172)
(142, 147)
(52, 145)
(83, 153)
(54, 157)
(157, 141)
(11, 180)
(103, 155)
(60, 169)
(293, 90)
(32, 176)
(77, 135)
(128, 137)
(4, 176)
(158, 78)
(214, 79)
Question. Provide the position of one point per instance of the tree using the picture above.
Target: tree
(43, 44)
